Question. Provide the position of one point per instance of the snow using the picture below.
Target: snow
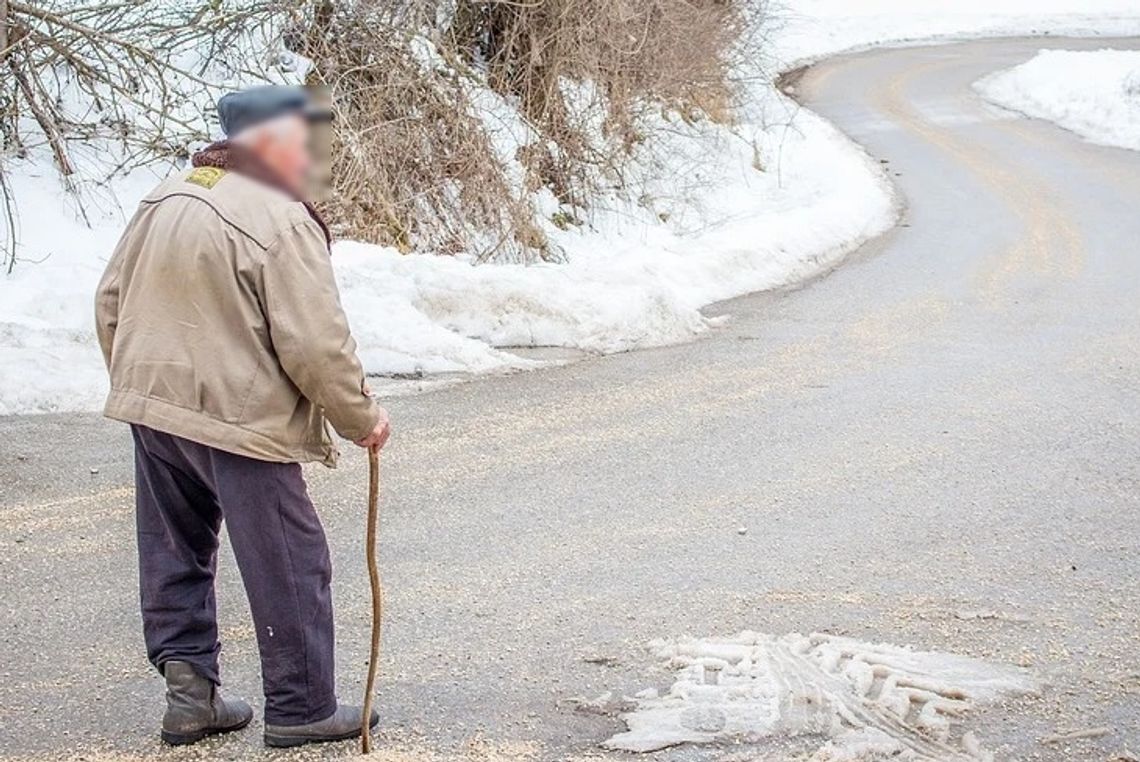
(864, 701)
(816, 28)
(778, 198)
(1095, 94)
(626, 286)
(49, 357)
(627, 283)
(775, 198)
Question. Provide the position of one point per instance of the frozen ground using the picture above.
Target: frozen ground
(779, 197)
(865, 701)
(1094, 93)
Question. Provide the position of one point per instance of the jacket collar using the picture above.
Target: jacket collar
(235, 158)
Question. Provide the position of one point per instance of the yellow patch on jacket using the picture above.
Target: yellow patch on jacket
(207, 177)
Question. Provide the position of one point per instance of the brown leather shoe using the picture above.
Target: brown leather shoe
(344, 723)
(194, 709)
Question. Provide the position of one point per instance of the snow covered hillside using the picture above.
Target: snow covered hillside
(1096, 94)
(777, 200)
(771, 199)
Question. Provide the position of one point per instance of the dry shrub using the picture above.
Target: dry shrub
(413, 166)
(106, 87)
(638, 55)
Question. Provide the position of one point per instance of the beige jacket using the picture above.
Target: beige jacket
(220, 322)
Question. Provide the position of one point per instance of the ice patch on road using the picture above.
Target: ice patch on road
(868, 701)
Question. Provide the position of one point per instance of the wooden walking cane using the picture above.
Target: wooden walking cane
(377, 594)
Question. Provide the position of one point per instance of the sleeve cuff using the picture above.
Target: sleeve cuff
(373, 418)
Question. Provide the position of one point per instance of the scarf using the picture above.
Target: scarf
(235, 158)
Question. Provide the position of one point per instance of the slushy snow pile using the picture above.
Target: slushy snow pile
(776, 198)
(865, 701)
(1095, 94)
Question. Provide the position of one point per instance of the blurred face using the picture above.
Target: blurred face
(284, 147)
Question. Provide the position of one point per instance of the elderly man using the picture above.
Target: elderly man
(228, 351)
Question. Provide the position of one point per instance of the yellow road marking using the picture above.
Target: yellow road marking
(1051, 244)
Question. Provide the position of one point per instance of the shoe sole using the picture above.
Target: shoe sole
(185, 739)
(288, 742)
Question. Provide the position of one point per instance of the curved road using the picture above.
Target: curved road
(937, 444)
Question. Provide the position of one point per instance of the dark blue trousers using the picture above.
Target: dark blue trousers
(184, 490)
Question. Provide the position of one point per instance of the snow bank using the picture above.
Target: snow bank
(813, 29)
(1096, 94)
(627, 286)
(775, 199)
(49, 357)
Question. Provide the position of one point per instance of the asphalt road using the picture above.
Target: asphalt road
(936, 444)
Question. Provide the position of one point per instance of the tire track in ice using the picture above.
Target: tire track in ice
(864, 700)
